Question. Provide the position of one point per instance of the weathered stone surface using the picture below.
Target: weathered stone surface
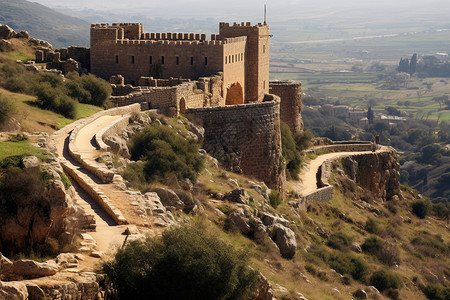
(356, 247)
(23, 35)
(6, 32)
(118, 145)
(131, 229)
(66, 258)
(263, 290)
(5, 45)
(32, 269)
(97, 254)
(31, 162)
(285, 239)
(169, 198)
(238, 196)
(5, 266)
(13, 290)
(34, 291)
(259, 233)
(360, 294)
(238, 219)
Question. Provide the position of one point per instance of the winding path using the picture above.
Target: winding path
(308, 181)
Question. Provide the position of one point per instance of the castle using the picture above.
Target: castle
(221, 83)
(240, 52)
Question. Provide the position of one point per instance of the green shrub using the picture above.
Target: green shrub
(66, 181)
(274, 198)
(339, 240)
(372, 226)
(435, 291)
(430, 242)
(164, 152)
(303, 140)
(54, 99)
(421, 208)
(7, 109)
(13, 161)
(372, 245)
(384, 279)
(185, 263)
(343, 263)
(134, 174)
(289, 151)
(88, 89)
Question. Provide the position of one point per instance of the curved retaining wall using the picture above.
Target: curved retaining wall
(375, 171)
(82, 179)
(101, 171)
(341, 147)
(245, 138)
(112, 129)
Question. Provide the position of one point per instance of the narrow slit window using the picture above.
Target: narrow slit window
(226, 59)
(162, 59)
(178, 60)
(151, 60)
(192, 60)
(117, 59)
(132, 59)
(206, 60)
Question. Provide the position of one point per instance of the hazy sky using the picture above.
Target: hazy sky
(276, 8)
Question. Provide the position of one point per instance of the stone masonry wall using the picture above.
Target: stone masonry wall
(291, 103)
(245, 139)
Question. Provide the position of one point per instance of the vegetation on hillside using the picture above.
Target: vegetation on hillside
(53, 92)
(184, 263)
(163, 152)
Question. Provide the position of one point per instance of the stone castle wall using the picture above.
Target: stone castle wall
(291, 104)
(245, 139)
(239, 52)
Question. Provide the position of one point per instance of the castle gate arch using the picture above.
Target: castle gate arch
(182, 106)
(235, 95)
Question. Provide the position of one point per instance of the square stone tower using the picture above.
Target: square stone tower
(257, 56)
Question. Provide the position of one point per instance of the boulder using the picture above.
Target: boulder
(6, 32)
(23, 35)
(34, 291)
(238, 196)
(263, 290)
(356, 247)
(131, 229)
(118, 145)
(238, 219)
(259, 233)
(5, 45)
(360, 294)
(285, 239)
(5, 266)
(32, 269)
(169, 198)
(66, 258)
(13, 290)
(31, 162)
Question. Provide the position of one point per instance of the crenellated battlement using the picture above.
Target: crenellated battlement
(240, 25)
(241, 39)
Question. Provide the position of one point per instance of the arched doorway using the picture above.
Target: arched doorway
(235, 95)
(182, 106)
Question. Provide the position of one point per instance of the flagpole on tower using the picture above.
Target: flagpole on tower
(265, 14)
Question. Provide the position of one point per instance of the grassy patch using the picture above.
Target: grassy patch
(20, 148)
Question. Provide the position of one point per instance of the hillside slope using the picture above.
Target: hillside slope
(44, 23)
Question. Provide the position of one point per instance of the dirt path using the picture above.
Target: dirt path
(308, 181)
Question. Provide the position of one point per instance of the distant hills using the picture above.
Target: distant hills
(44, 23)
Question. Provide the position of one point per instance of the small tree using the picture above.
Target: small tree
(421, 208)
(384, 279)
(185, 263)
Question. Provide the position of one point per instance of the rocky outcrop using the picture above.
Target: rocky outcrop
(377, 172)
(263, 290)
(7, 32)
(31, 269)
(259, 225)
(13, 290)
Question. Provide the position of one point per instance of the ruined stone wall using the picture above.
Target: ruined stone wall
(257, 56)
(245, 139)
(291, 103)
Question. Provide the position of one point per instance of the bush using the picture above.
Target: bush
(165, 152)
(372, 226)
(55, 99)
(303, 140)
(372, 245)
(185, 263)
(7, 109)
(274, 198)
(289, 151)
(339, 240)
(384, 279)
(88, 89)
(421, 208)
(435, 291)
